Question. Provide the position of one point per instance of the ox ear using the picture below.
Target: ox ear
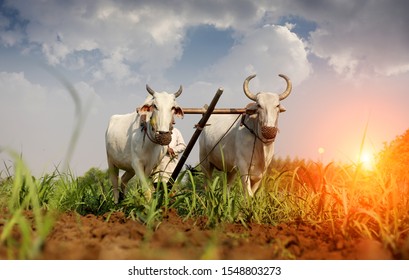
(178, 112)
(145, 109)
(282, 108)
(251, 108)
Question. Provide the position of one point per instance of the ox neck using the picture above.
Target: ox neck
(252, 126)
(148, 130)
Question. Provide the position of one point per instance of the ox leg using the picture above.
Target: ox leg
(208, 172)
(246, 182)
(245, 178)
(255, 186)
(207, 167)
(142, 180)
(124, 183)
(113, 175)
(256, 180)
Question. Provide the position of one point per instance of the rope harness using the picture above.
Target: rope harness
(242, 123)
(162, 139)
(256, 136)
(156, 140)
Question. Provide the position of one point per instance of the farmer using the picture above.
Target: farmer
(164, 170)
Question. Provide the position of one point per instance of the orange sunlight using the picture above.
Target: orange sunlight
(367, 160)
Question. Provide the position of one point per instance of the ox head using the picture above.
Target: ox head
(266, 108)
(162, 108)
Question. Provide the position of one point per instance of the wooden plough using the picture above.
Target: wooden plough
(206, 112)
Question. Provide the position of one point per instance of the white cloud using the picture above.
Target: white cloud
(358, 37)
(55, 52)
(108, 47)
(134, 34)
(17, 91)
(115, 67)
(267, 52)
(150, 35)
(395, 69)
(353, 37)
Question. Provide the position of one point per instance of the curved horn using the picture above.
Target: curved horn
(179, 91)
(287, 91)
(151, 91)
(246, 90)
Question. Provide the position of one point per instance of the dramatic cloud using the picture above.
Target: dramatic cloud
(123, 35)
(109, 49)
(267, 52)
(151, 34)
(359, 37)
(144, 33)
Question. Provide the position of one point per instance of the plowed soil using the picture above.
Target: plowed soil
(117, 237)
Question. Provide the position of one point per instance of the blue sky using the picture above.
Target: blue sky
(348, 62)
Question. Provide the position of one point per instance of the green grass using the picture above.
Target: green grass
(24, 193)
(354, 202)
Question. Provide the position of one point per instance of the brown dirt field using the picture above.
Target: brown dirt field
(91, 237)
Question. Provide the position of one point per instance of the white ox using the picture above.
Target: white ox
(244, 144)
(136, 142)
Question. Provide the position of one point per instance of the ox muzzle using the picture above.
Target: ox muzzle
(269, 132)
(163, 137)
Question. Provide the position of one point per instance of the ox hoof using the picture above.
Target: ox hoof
(121, 197)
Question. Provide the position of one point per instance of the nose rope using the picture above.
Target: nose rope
(243, 123)
(159, 138)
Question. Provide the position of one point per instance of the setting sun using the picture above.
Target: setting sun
(367, 160)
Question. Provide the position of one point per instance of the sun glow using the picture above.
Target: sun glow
(367, 160)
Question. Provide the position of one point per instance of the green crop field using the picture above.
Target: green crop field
(355, 202)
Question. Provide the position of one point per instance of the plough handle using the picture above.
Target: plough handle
(195, 136)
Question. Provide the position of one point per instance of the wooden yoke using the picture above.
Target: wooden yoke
(215, 111)
(202, 111)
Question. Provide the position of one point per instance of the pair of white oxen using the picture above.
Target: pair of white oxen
(136, 142)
